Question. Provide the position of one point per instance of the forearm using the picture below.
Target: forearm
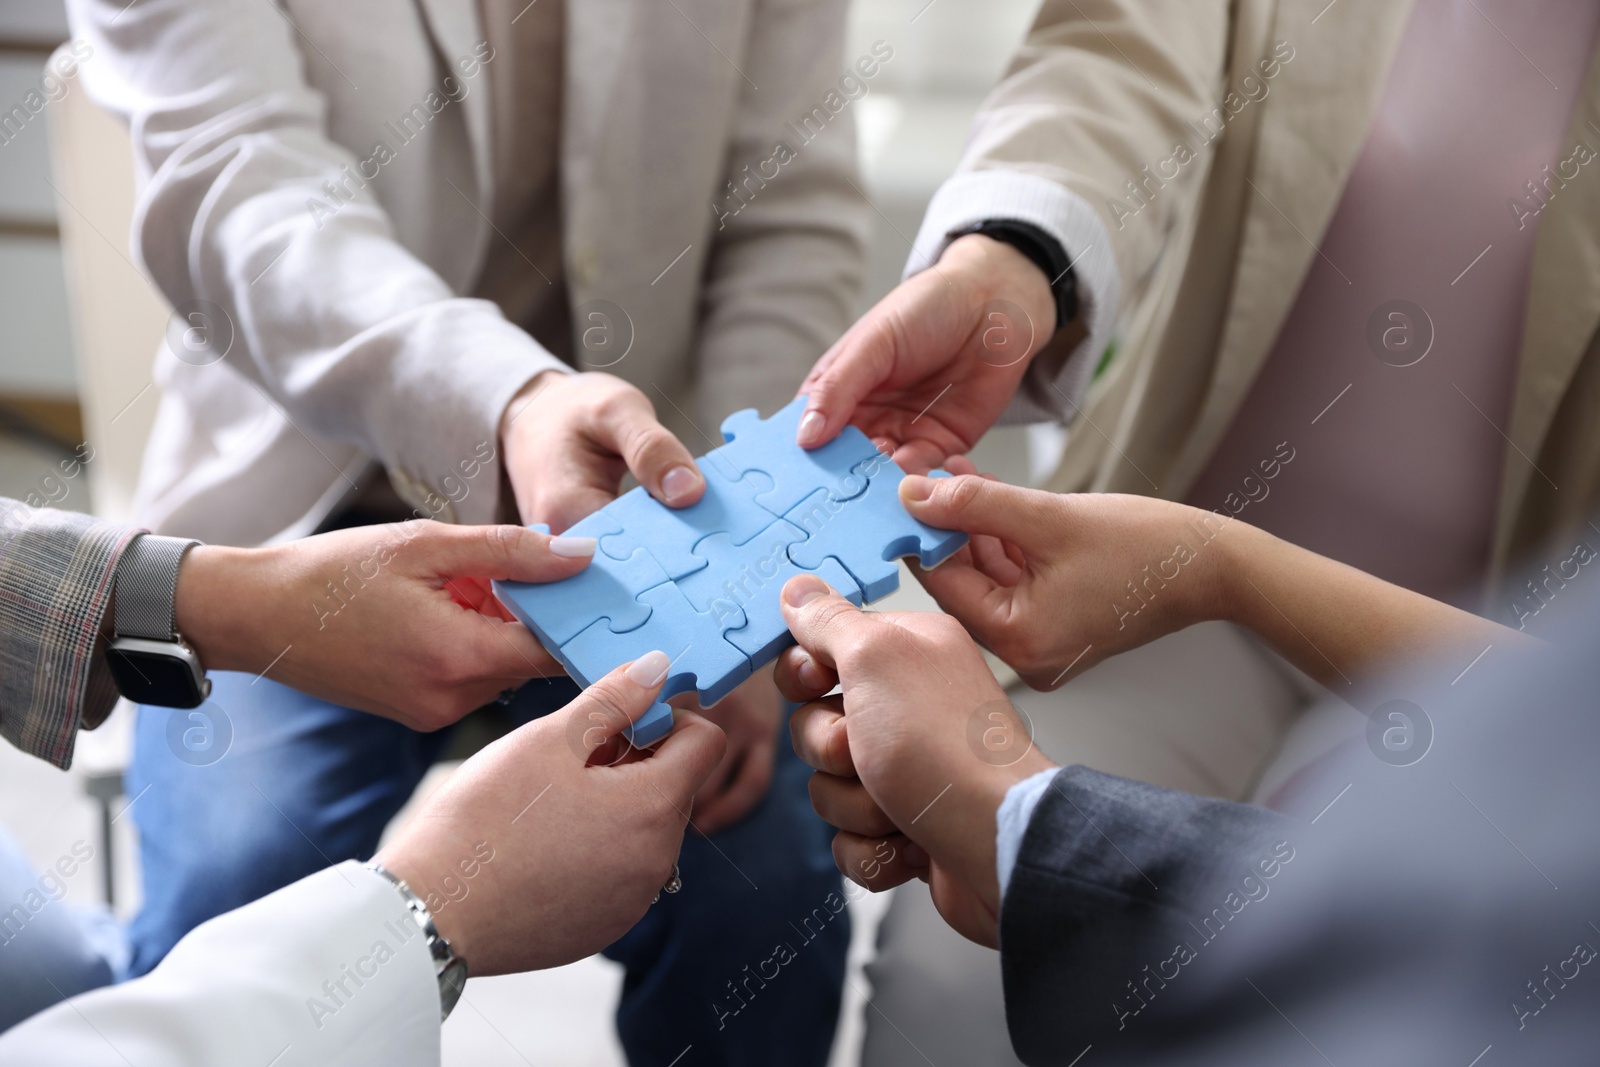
(1117, 880)
(331, 315)
(1330, 620)
(280, 975)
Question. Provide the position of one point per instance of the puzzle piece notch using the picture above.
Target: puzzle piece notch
(880, 531)
(769, 446)
(639, 521)
(749, 578)
(702, 662)
(607, 590)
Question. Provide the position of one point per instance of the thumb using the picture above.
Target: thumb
(506, 553)
(974, 504)
(681, 763)
(824, 623)
(599, 714)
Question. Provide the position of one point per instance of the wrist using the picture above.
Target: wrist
(454, 921)
(1226, 580)
(524, 397)
(219, 606)
(976, 847)
(999, 271)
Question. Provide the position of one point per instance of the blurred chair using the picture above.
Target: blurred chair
(118, 319)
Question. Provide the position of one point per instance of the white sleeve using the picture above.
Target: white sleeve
(350, 332)
(971, 197)
(328, 972)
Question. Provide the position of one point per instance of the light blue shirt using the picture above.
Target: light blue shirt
(1011, 822)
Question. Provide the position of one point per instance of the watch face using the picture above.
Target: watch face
(154, 678)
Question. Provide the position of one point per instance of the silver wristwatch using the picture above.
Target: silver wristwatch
(450, 969)
(149, 661)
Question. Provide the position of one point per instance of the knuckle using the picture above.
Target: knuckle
(961, 494)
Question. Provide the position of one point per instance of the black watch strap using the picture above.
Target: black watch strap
(147, 587)
(1046, 253)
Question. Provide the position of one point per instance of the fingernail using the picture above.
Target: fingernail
(916, 855)
(811, 427)
(573, 547)
(649, 670)
(916, 487)
(811, 674)
(678, 483)
(798, 592)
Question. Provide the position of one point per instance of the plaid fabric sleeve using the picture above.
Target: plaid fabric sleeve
(56, 571)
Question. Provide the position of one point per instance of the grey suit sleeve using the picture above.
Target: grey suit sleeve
(1117, 877)
(56, 570)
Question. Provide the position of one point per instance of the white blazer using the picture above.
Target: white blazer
(331, 971)
(352, 340)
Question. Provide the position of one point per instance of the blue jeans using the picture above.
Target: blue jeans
(50, 948)
(303, 784)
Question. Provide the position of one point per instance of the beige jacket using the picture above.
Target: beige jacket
(1211, 263)
(352, 341)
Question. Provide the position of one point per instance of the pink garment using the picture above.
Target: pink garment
(1400, 476)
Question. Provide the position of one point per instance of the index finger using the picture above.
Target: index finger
(858, 363)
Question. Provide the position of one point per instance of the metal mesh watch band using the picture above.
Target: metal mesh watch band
(147, 586)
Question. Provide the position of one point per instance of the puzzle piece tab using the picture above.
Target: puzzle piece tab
(669, 534)
(702, 661)
(749, 578)
(869, 532)
(607, 589)
(768, 446)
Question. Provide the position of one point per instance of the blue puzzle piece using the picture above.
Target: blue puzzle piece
(702, 584)
(650, 727)
(750, 577)
(669, 534)
(607, 589)
(768, 446)
(867, 533)
(701, 660)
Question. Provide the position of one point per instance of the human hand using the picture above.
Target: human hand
(931, 367)
(749, 716)
(1053, 583)
(553, 841)
(397, 619)
(904, 755)
(567, 440)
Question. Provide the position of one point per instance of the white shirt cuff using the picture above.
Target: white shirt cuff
(976, 196)
(1011, 822)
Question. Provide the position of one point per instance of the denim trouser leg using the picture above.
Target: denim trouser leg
(49, 948)
(304, 784)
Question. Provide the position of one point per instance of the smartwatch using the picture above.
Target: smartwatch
(149, 661)
(448, 968)
(1046, 253)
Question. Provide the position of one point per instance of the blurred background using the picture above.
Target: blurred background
(911, 126)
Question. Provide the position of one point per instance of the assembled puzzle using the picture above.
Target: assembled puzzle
(701, 583)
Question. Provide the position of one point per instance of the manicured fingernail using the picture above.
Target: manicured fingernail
(915, 855)
(915, 487)
(678, 483)
(811, 427)
(798, 592)
(649, 669)
(573, 547)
